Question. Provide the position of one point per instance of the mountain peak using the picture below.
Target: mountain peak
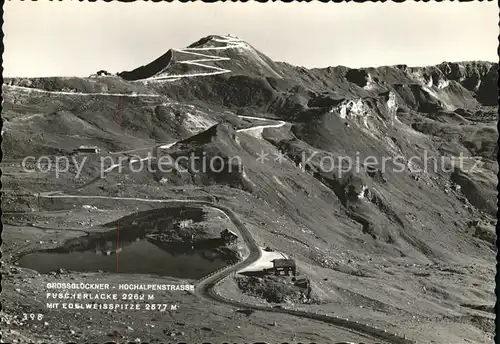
(216, 40)
(211, 55)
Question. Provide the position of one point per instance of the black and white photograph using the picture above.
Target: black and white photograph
(248, 172)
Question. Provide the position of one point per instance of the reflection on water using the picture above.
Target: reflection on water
(141, 257)
(127, 250)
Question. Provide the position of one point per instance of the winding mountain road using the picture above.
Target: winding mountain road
(82, 94)
(231, 43)
(154, 149)
(205, 287)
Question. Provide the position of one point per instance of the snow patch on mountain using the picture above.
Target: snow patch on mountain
(419, 77)
(443, 83)
(392, 106)
(196, 122)
(370, 83)
(352, 109)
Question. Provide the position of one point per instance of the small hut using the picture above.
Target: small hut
(103, 72)
(87, 149)
(284, 265)
(228, 236)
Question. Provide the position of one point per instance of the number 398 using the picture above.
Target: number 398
(32, 316)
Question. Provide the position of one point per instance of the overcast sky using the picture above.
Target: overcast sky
(78, 38)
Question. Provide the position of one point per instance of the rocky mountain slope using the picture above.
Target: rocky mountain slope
(389, 165)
